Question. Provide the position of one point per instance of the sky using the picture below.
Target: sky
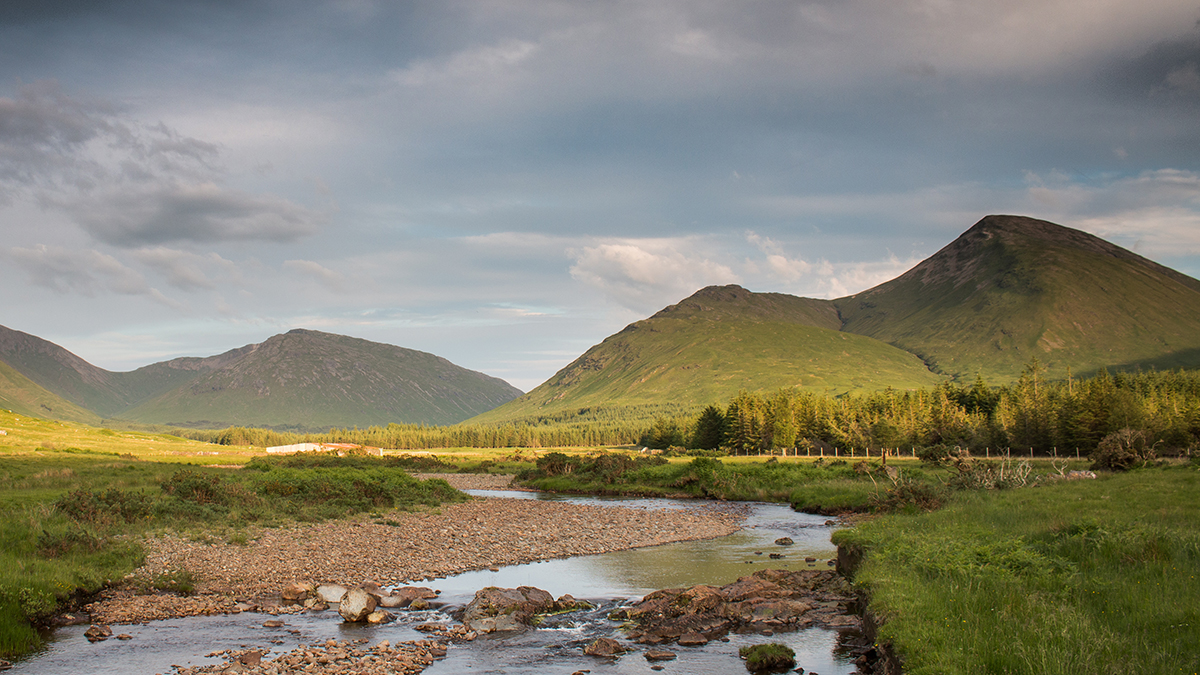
(505, 183)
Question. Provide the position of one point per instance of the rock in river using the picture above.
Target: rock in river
(501, 609)
(356, 605)
(768, 600)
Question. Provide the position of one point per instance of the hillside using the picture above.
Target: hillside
(1013, 288)
(23, 396)
(307, 380)
(302, 380)
(714, 343)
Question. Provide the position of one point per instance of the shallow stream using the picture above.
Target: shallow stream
(608, 579)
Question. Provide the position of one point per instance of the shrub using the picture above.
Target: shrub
(105, 507)
(194, 486)
(906, 494)
(1122, 450)
(768, 658)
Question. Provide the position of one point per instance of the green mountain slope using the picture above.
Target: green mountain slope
(24, 396)
(61, 372)
(707, 347)
(1013, 288)
(306, 379)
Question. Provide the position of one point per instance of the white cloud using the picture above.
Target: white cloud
(330, 279)
(474, 64)
(648, 274)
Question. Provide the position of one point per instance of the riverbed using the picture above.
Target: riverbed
(609, 580)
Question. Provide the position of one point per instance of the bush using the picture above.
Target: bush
(194, 486)
(105, 507)
(1122, 450)
(768, 658)
(936, 454)
(908, 494)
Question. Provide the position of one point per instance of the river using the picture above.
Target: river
(609, 580)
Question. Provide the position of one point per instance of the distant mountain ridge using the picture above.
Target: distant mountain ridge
(1007, 290)
(301, 380)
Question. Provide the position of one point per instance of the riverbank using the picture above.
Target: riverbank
(399, 547)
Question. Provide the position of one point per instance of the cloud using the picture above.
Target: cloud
(646, 275)
(203, 212)
(1158, 211)
(185, 270)
(333, 280)
(129, 184)
(782, 267)
(88, 273)
(473, 64)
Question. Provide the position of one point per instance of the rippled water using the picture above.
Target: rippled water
(608, 579)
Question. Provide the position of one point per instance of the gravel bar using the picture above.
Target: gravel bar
(449, 540)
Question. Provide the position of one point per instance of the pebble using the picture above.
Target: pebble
(455, 538)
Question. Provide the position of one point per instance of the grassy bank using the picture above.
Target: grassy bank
(1090, 576)
(70, 514)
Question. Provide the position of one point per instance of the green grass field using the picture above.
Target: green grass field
(1092, 576)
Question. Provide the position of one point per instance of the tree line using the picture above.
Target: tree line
(1032, 414)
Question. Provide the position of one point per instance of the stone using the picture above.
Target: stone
(402, 597)
(379, 616)
(784, 541)
(296, 592)
(659, 655)
(331, 592)
(124, 636)
(692, 640)
(356, 605)
(503, 609)
(272, 623)
(98, 632)
(419, 604)
(568, 603)
(604, 646)
(251, 658)
(775, 556)
(71, 619)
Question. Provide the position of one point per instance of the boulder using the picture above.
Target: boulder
(692, 640)
(604, 647)
(379, 616)
(97, 632)
(784, 541)
(568, 603)
(356, 605)
(331, 592)
(419, 604)
(402, 597)
(297, 591)
(763, 602)
(502, 609)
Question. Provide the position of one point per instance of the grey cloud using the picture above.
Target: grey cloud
(42, 133)
(185, 270)
(88, 272)
(203, 213)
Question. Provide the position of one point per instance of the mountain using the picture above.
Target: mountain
(1013, 288)
(22, 395)
(301, 380)
(1007, 290)
(710, 345)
